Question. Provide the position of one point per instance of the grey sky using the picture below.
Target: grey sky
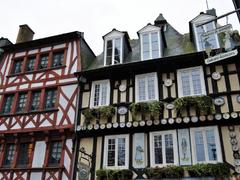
(97, 17)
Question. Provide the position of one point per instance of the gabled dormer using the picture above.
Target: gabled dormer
(150, 42)
(200, 32)
(116, 47)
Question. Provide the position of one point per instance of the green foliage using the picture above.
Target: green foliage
(165, 172)
(203, 170)
(154, 108)
(97, 113)
(203, 104)
(109, 174)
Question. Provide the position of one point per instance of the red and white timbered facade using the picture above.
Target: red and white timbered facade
(38, 98)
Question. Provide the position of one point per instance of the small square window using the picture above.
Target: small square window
(43, 64)
(55, 153)
(30, 63)
(35, 102)
(50, 98)
(7, 105)
(17, 66)
(57, 59)
(21, 104)
(24, 155)
(9, 155)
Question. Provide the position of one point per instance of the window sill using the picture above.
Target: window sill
(30, 112)
(37, 71)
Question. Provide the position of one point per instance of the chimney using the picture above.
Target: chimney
(25, 33)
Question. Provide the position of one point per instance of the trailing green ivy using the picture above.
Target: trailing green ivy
(109, 174)
(165, 172)
(97, 113)
(203, 104)
(154, 108)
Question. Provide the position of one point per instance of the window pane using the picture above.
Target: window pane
(43, 61)
(158, 149)
(141, 89)
(104, 94)
(199, 146)
(50, 98)
(111, 152)
(58, 59)
(196, 80)
(155, 47)
(169, 148)
(121, 151)
(117, 51)
(96, 94)
(109, 53)
(146, 46)
(185, 84)
(200, 31)
(55, 153)
(31, 63)
(24, 155)
(35, 101)
(22, 99)
(17, 66)
(9, 155)
(212, 153)
(7, 106)
(151, 87)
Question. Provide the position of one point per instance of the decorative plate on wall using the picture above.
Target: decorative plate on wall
(122, 88)
(122, 110)
(170, 106)
(238, 98)
(167, 82)
(219, 101)
(216, 75)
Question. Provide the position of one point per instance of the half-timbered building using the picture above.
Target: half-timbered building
(38, 99)
(162, 99)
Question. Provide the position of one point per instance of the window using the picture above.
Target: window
(21, 104)
(43, 61)
(50, 98)
(113, 51)
(206, 146)
(35, 102)
(55, 153)
(163, 148)
(146, 87)
(116, 151)
(24, 155)
(191, 82)
(17, 66)
(100, 93)
(57, 59)
(30, 63)
(206, 41)
(7, 105)
(9, 155)
(150, 43)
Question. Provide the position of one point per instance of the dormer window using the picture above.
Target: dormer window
(150, 38)
(114, 51)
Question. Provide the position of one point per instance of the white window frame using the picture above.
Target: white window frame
(93, 93)
(175, 149)
(105, 160)
(180, 89)
(200, 46)
(146, 86)
(113, 49)
(217, 142)
(149, 33)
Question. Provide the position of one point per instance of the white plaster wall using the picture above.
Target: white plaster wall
(36, 176)
(67, 160)
(39, 154)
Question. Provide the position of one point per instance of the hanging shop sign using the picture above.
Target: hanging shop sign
(221, 56)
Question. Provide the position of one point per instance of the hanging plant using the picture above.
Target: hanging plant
(97, 113)
(203, 104)
(154, 108)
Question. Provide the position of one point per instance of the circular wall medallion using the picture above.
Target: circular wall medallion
(202, 118)
(169, 106)
(232, 134)
(186, 119)
(90, 126)
(216, 75)
(122, 125)
(122, 110)
(167, 82)
(170, 120)
(178, 120)
(102, 126)
(78, 128)
(235, 147)
(156, 122)
(109, 125)
(129, 124)
(238, 98)
(149, 123)
(194, 119)
(237, 162)
(226, 116)
(96, 126)
(237, 168)
(122, 88)
(142, 123)
(233, 141)
(135, 124)
(219, 101)
(218, 116)
(234, 115)
(115, 125)
(163, 121)
(210, 117)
